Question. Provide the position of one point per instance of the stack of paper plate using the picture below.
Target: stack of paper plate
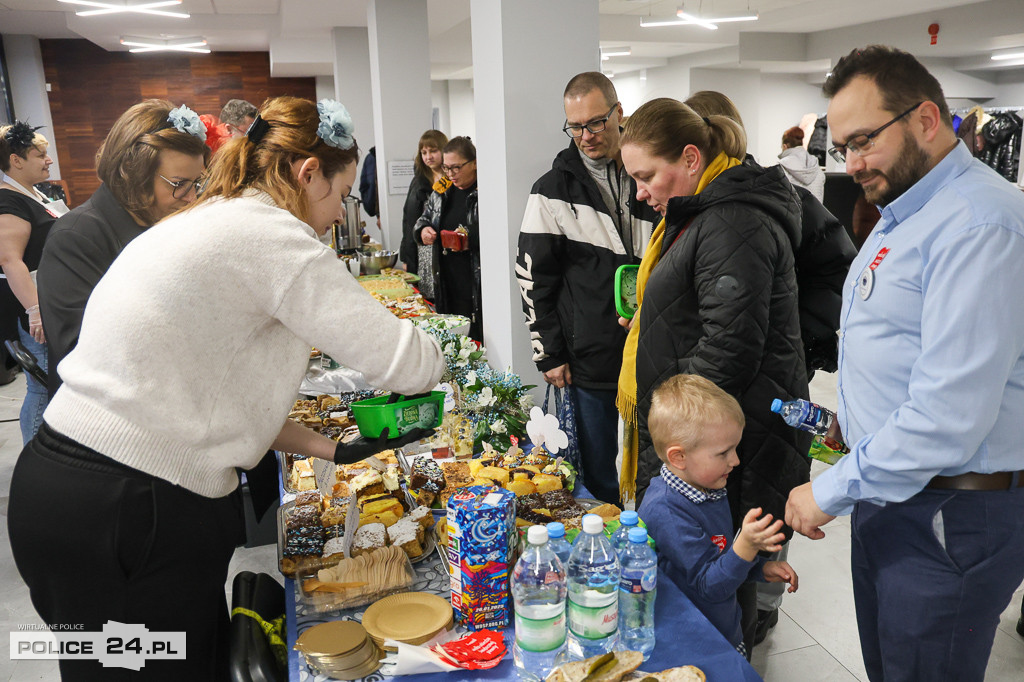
(340, 649)
(408, 617)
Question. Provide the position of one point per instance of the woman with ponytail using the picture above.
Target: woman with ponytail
(190, 352)
(151, 164)
(718, 298)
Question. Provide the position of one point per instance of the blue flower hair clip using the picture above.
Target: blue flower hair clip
(185, 120)
(335, 124)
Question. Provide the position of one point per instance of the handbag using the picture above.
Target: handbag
(565, 411)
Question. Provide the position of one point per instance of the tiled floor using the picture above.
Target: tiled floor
(815, 640)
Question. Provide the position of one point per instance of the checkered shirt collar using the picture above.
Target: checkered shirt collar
(692, 493)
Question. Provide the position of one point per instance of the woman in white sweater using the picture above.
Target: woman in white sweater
(192, 347)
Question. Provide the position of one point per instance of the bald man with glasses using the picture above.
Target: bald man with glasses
(582, 222)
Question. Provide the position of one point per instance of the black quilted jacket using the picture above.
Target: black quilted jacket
(722, 303)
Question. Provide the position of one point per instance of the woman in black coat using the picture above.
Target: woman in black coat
(721, 300)
(428, 173)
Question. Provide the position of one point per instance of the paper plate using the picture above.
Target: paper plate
(409, 617)
(336, 638)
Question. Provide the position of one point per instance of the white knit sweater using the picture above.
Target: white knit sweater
(195, 341)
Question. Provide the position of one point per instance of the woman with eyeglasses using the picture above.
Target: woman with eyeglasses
(26, 217)
(429, 177)
(449, 224)
(151, 164)
(125, 507)
(718, 295)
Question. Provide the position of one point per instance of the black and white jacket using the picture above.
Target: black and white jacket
(569, 249)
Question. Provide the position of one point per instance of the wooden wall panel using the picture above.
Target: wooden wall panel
(90, 88)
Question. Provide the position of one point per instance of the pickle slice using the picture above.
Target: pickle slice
(600, 666)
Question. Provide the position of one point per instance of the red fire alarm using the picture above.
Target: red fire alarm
(933, 31)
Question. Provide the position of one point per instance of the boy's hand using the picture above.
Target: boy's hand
(758, 535)
(781, 572)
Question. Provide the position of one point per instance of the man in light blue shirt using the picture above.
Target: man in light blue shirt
(931, 380)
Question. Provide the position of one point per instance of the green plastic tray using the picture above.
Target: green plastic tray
(373, 415)
(625, 290)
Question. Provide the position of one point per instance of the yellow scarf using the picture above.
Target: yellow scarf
(626, 398)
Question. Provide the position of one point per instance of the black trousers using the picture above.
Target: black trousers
(97, 541)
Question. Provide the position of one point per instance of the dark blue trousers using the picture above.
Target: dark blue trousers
(931, 577)
(597, 428)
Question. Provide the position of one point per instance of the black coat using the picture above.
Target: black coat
(81, 246)
(415, 201)
(722, 303)
(569, 250)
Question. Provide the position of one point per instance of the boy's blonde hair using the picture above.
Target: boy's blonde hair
(682, 406)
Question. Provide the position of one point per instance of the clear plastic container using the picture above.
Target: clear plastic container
(538, 589)
(637, 592)
(593, 592)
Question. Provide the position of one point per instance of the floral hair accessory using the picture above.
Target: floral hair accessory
(185, 120)
(335, 124)
(20, 136)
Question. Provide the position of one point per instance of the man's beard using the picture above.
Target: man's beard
(912, 164)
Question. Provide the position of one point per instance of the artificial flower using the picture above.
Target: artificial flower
(498, 426)
(335, 124)
(487, 397)
(543, 430)
(185, 120)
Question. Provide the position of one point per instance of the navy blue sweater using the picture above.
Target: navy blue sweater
(694, 543)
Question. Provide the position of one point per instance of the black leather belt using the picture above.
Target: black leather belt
(1000, 480)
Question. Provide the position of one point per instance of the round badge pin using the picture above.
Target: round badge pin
(866, 283)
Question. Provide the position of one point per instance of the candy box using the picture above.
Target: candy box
(481, 541)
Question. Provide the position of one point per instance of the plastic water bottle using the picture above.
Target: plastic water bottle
(557, 542)
(593, 607)
(637, 590)
(620, 538)
(538, 590)
(805, 415)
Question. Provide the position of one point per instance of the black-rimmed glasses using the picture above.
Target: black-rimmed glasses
(861, 144)
(454, 169)
(181, 188)
(596, 126)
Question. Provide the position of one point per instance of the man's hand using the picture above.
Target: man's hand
(558, 376)
(781, 572)
(627, 322)
(804, 515)
(428, 235)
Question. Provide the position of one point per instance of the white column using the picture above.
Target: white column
(519, 116)
(400, 80)
(28, 91)
(352, 88)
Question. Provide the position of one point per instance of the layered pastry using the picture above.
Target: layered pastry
(426, 475)
(408, 535)
(368, 538)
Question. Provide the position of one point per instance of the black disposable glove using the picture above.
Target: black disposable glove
(361, 448)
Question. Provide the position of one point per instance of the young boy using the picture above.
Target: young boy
(695, 427)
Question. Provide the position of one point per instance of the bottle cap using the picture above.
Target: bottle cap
(537, 535)
(638, 534)
(556, 529)
(776, 405)
(629, 518)
(592, 524)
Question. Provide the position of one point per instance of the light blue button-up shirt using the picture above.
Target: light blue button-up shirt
(931, 373)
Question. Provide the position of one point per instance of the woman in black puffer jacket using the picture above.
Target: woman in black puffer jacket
(721, 300)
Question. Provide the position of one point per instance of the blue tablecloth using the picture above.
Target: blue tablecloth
(684, 636)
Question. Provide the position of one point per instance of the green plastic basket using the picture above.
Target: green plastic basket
(373, 415)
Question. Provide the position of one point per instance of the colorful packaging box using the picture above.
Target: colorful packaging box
(481, 541)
